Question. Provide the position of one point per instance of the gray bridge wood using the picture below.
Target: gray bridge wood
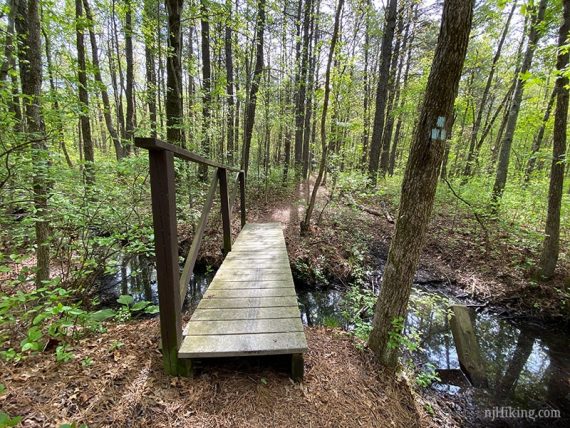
(251, 306)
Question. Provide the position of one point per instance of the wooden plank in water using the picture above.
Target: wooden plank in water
(245, 313)
(252, 302)
(468, 351)
(242, 345)
(270, 325)
(233, 293)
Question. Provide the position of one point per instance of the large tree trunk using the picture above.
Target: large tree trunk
(551, 247)
(174, 107)
(250, 108)
(305, 224)
(420, 179)
(382, 90)
(505, 150)
(28, 27)
(88, 153)
(102, 86)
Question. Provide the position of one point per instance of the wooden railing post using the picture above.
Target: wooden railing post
(225, 206)
(163, 195)
(242, 197)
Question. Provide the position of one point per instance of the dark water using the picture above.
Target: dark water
(527, 367)
(136, 275)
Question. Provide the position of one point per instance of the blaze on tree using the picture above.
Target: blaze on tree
(420, 179)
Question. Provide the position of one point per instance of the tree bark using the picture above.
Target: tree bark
(420, 179)
(228, 38)
(251, 104)
(150, 70)
(30, 59)
(302, 87)
(88, 152)
(174, 107)
(505, 150)
(130, 83)
(206, 85)
(382, 90)
(551, 247)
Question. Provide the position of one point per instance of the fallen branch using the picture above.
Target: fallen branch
(385, 213)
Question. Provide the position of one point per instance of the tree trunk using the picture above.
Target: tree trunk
(251, 104)
(206, 85)
(551, 247)
(130, 83)
(420, 179)
(394, 83)
(88, 153)
(309, 95)
(174, 107)
(150, 70)
(505, 150)
(305, 224)
(382, 90)
(30, 59)
(366, 81)
(229, 82)
(301, 84)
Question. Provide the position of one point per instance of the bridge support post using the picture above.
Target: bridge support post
(225, 206)
(163, 194)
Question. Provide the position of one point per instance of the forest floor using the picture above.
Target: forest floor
(125, 385)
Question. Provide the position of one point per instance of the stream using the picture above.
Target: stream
(527, 366)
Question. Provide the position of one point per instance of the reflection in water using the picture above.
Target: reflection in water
(136, 276)
(526, 368)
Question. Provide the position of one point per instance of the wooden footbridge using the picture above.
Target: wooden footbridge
(250, 307)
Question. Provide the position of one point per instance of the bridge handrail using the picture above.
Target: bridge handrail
(172, 285)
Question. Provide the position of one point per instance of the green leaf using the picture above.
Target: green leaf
(139, 306)
(152, 309)
(125, 299)
(102, 315)
(7, 421)
(34, 334)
